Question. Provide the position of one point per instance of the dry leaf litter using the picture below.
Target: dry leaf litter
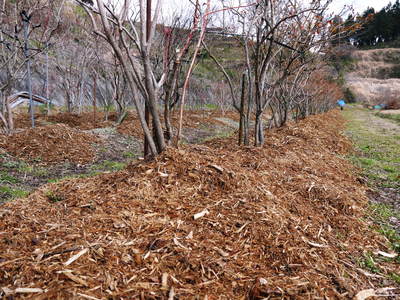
(211, 221)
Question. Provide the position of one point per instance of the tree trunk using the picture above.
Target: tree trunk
(122, 117)
(129, 76)
(246, 140)
(249, 105)
(69, 102)
(167, 122)
(170, 86)
(28, 66)
(3, 112)
(152, 105)
(94, 98)
(81, 86)
(9, 117)
(47, 79)
(147, 117)
(5, 123)
(147, 113)
(259, 131)
(242, 122)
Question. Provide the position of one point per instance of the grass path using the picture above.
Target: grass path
(377, 141)
(377, 145)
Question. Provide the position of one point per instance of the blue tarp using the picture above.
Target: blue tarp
(341, 102)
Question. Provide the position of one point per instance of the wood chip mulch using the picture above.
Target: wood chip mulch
(83, 121)
(213, 221)
(51, 144)
(192, 119)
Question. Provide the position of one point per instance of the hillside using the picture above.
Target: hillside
(374, 77)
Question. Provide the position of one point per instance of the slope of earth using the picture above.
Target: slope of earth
(213, 221)
(375, 77)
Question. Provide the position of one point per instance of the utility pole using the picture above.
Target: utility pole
(26, 21)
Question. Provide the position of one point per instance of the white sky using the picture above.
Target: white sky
(183, 7)
(337, 5)
(360, 5)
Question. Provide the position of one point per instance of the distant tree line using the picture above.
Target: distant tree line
(380, 27)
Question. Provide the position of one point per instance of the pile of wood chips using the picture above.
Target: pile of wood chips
(191, 119)
(83, 121)
(213, 221)
(51, 144)
(131, 126)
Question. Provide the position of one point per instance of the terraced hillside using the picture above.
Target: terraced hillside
(375, 75)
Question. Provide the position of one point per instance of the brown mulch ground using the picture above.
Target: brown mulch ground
(131, 126)
(51, 144)
(212, 221)
(23, 121)
(83, 121)
(191, 119)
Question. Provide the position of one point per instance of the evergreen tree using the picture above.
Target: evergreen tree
(378, 27)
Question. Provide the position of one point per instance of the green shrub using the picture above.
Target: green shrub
(349, 96)
(395, 72)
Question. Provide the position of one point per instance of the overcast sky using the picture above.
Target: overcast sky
(337, 5)
(360, 5)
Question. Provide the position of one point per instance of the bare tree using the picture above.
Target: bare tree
(175, 50)
(204, 22)
(73, 61)
(51, 25)
(280, 39)
(133, 50)
(133, 41)
(15, 51)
